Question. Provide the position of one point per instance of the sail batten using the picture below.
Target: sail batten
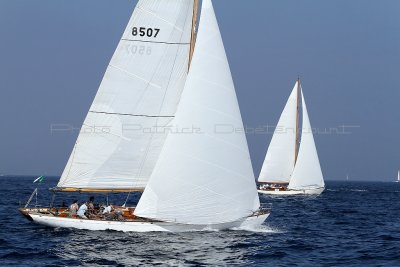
(205, 176)
(126, 126)
(134, 115)
(154, 42)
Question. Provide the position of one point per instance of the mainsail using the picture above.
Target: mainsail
(280, 159)
(204, 174)
(125, 129)
(307, 173)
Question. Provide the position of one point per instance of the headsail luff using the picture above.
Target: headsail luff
(205, 176)
(279, 161)
(296, 150)
(128, 122)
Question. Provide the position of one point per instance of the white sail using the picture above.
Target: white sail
(398, 176)
(307, 173)
(280, 159)
(127, 124)
(204, 177)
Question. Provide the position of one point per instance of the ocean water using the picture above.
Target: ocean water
(350, 224)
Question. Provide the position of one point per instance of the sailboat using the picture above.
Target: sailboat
(163, 77)
(292, 167)
(398, 177)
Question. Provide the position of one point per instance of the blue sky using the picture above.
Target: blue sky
(53, 55)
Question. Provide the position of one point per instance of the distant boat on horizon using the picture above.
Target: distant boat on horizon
(292, 167)
(398, 177)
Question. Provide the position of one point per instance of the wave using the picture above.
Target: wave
(358, 190)
(258, 229)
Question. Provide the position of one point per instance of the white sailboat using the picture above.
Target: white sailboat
(398, 177)
(292, 167)
(194, 178)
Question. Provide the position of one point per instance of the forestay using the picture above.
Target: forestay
(204, 174)
(307, 174)
(280, 159)
(127, 124)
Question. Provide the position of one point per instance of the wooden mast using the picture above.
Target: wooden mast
(297, 121)
(194, 25)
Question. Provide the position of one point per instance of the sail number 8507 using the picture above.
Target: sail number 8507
(143, 31)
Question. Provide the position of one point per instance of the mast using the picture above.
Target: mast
(296, 148)
(193, 34)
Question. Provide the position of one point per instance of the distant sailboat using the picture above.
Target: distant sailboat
(398, 177)
(292, 167)
(191, 181)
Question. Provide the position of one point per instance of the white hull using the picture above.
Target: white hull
(316, 191)
(132, 226)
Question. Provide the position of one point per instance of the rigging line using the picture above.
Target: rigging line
(133, 115)
(52, 199)
(126, 200)
(154, 42)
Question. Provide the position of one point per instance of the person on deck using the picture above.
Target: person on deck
(90, 206)
(82, 210)
(73, 208)
(107, 209)
(108, 213)
(119, 212)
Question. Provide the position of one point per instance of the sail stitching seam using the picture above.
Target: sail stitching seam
(133, 115)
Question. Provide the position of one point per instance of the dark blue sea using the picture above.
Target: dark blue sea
(350, 224)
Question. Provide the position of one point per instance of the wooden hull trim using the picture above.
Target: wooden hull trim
(95, 190)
